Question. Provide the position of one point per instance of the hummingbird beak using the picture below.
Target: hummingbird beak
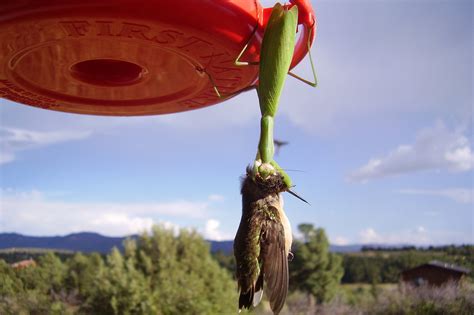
(297, 196)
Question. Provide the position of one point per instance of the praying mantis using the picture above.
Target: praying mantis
(263, 241)
(275, 58)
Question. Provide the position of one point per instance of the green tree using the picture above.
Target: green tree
(314, 269)
(84, 274)
(225, 260)
(51, 271)
(120, 288)
(185, 277)
(163, 273)
(9, 283)
(34, 289)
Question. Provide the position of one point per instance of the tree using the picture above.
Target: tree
(314, 269)
(163, 273)
(121, 288)
(33, 289)
(52, 271)
(9, 283)
(82, 272)
(185, 278)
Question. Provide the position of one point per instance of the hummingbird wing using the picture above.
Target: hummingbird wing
(275, 262)
(247, 252)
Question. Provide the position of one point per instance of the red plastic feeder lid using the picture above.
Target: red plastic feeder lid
(131, 57)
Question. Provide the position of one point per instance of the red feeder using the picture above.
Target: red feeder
(131, 57)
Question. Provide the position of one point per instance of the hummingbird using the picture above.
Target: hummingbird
(263, 241)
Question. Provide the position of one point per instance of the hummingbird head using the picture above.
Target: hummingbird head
(270, 180)
(270, 183)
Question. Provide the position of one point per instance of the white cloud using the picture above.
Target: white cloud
(369, 236)
(212, 231)
(13, 140)
(460, 195)
(420, 229)
(216, 197)
(418, 236)
(6, 157)
(122, 223)
(34, 213)
(461, 158)
(435, 148)
(340, 240)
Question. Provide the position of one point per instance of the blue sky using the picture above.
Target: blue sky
(384, 144)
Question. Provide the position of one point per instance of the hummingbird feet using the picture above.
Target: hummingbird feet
(290, 256)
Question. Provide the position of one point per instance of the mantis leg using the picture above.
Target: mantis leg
(218, 93)
(315, 83)
(266, 151)
(265, 146)
(286, 177)
(237, 61)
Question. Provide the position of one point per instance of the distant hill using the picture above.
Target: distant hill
(84, 242)
(94, 242)
(345, 248)
(223, 246)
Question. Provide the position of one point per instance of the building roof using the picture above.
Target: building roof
(24, 263)
(443, 265)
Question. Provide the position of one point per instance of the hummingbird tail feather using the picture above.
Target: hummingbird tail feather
(253, 296)
(245, 299)
(257, 297)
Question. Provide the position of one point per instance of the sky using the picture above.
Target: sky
(382, 148)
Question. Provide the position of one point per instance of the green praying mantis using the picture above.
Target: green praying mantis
(275, 58)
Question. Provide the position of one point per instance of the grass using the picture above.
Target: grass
(384, 299)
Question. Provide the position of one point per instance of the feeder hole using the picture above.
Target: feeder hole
(107, 72)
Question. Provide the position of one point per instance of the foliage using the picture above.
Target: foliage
(314, 269)
(448, 299)
(378, 266)
(226, 261)
(357, 299)
(12, 255)
(157, 274)
(33, 290)
(183, 276)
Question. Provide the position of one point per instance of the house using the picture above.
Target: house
(434, 273)
(24, 264)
